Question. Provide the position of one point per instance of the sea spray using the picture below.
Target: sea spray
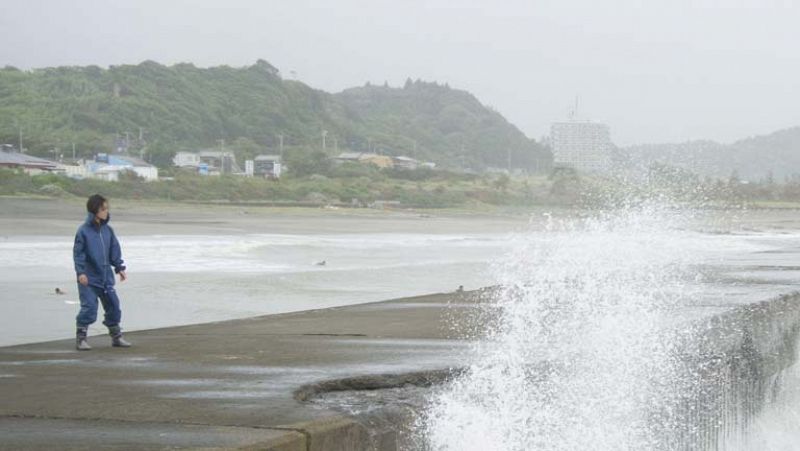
(575, 357)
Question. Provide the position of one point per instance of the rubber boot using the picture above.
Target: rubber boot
(81, 344)
(116, 338)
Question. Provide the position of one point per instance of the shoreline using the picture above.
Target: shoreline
(482, 210)
(186, 213)
(473, 208)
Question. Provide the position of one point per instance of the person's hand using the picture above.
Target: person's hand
(122, 276)
(83, 280)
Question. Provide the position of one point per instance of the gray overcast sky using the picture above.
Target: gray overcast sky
(655, 71)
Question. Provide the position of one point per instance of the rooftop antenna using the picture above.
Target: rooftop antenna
(573, 115)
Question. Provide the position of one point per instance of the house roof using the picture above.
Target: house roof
(20, 159)
(268, 158)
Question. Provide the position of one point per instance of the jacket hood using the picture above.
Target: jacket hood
(90, 219)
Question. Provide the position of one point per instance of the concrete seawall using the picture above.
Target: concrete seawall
(729, 367)
(244, 384)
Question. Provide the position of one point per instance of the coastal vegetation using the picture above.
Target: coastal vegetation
(355, 185)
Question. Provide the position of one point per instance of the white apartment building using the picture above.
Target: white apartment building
(584, 146)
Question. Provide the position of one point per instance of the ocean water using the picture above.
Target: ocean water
(185, 279)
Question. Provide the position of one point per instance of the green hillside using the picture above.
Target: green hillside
(183, 107)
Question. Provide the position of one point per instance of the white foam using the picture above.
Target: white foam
(575, 359)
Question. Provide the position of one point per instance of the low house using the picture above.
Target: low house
(267, 166)
(31, 165)
(186, 160)
(219, 161)
(74, 168)
(108, 173)
(108, 167)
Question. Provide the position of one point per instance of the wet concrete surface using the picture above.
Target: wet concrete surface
(42, 433)
(225, 384)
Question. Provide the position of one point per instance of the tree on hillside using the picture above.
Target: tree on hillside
(302, 162)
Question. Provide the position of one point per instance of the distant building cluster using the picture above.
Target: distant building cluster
(104, 166)
(580, 145)
(113, 166)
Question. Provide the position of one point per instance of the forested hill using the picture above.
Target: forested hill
(444, 124)
(183, 107)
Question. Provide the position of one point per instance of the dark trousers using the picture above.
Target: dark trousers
(89, 296)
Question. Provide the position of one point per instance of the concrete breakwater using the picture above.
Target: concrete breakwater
(725, 369)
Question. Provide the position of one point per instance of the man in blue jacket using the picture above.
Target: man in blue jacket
(95, 252)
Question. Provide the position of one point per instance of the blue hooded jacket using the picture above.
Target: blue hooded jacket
(95, 251)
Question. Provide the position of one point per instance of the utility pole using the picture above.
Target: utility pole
(336, 145)
(324, 134)
(21, 150)
(127, 141)
(73, 152)
(280, 139)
